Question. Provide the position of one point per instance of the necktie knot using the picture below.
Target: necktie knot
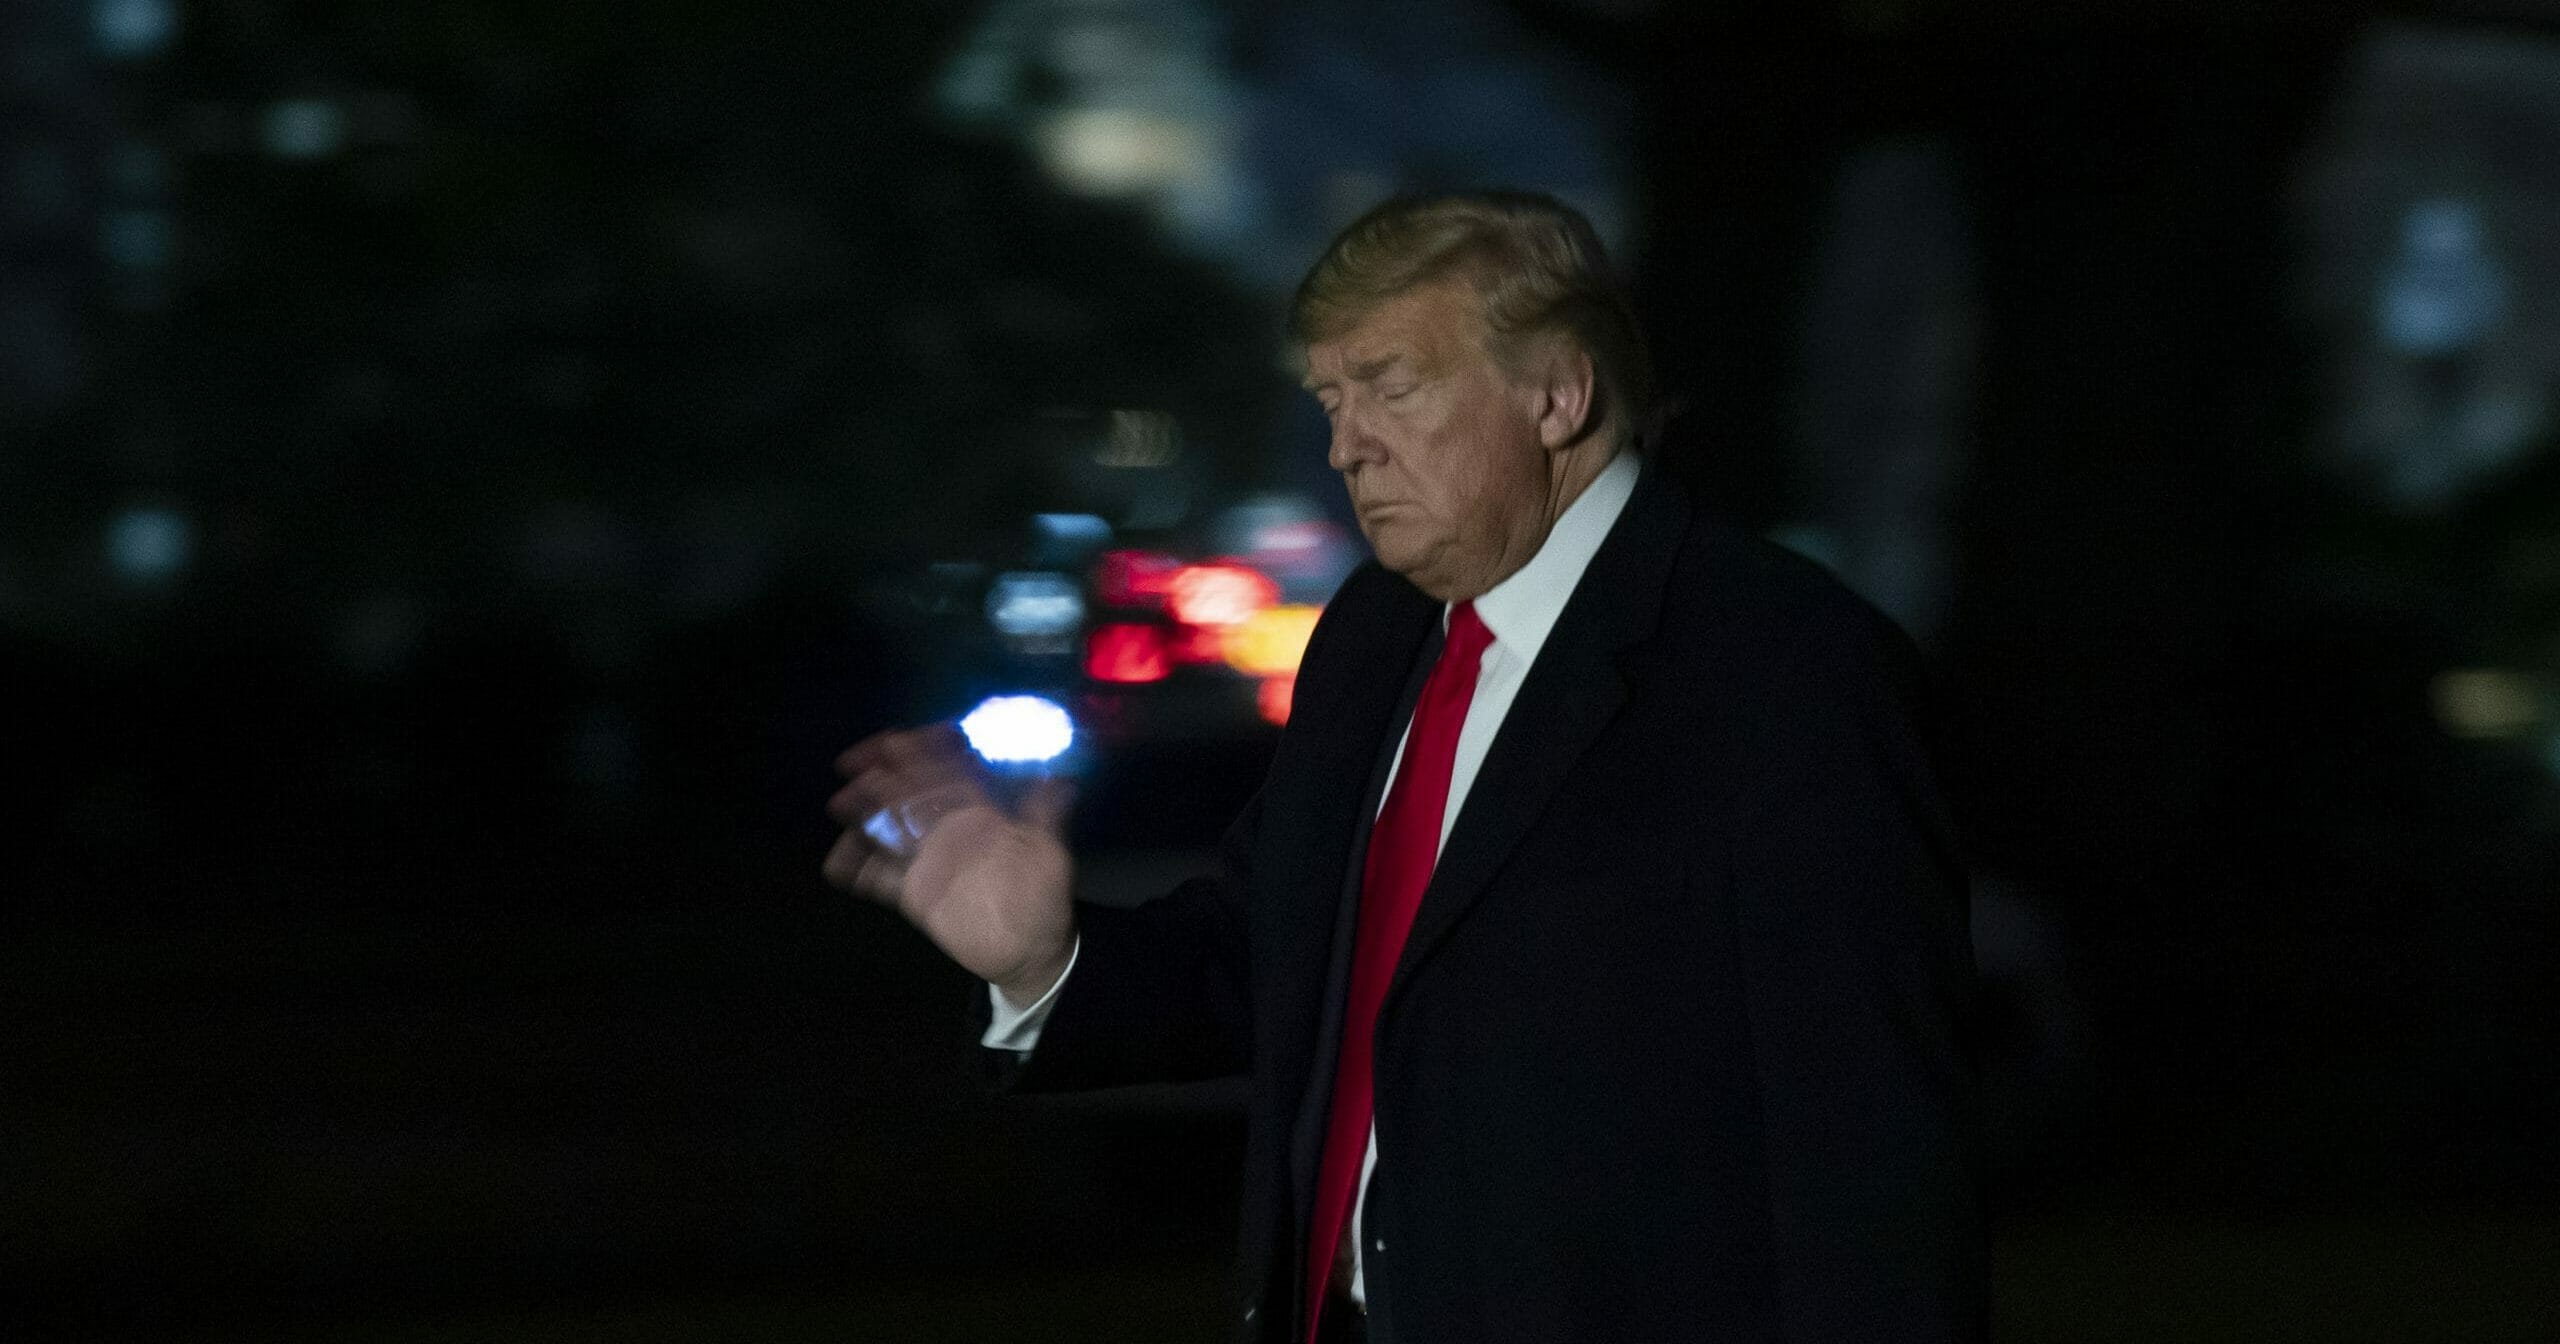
(1468, 636)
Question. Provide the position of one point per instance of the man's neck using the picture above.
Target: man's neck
(1575, 469)
(1569, 476)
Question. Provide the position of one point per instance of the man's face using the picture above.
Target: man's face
(1437, 443)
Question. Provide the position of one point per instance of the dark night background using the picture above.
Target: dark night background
(466, 467)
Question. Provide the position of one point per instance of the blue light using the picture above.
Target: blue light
(1034, 603)
(140, 240)
(1089, 528)
(304, 128)
(131, 29)
(150, 545)
(2445, 289)
(1067, 539)
(1018, 729)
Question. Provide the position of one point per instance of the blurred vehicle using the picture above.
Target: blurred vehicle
(1169, 655)
(1184, 645)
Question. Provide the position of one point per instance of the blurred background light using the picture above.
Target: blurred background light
(1019, 729)
(133, 29)
(137, 240)
(1032, 604)
(1270, 643)
(1218, 594)
(1273, 697)
(2445, 290)
(1134, 578)
(303, 129)
(1128, 653)
(1116, 151)
(1140, 439)
(2485, 702)
(1199, 645)
(1129, 100)
(2427, 208)
(1288, 535)
(150, 545)
(1080, 528)
(1067, 540)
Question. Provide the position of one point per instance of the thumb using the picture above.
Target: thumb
(1047, 804)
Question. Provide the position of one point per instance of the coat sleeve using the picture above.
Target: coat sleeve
(1858, 972)
(1158, 993)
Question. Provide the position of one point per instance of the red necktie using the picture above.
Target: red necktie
(1403, 845)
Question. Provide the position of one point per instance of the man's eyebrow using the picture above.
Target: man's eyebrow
(1361, 372)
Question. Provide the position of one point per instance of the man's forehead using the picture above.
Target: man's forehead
(1414, 325)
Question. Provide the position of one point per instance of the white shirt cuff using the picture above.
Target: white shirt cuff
(1018, 1029)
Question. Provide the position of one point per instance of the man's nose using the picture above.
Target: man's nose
(1352, 444)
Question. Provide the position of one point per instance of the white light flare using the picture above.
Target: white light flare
(1018, 730)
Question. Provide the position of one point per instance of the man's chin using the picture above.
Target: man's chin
(1420, 567)
(1395, 551)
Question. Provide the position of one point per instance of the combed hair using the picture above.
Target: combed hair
(1535, 264)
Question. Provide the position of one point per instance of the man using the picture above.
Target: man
(1596, 944)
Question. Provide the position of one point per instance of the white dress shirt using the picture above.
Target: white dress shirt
(1519, 611)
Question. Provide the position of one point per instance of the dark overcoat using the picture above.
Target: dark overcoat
(1674, 1049)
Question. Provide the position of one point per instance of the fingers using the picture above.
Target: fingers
(889, 768)
(880, 878)
(898, 785)
(857, 865)
(844, 860)
(929, 742)
(902, 769)
(854, 805)
(893, 768)
(851, 805)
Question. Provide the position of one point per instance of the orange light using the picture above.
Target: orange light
(1274, 696)
(1219, 594)
(1133, 578)
(1127, 654)
(1270, 643)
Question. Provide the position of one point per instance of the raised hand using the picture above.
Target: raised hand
(926, 834)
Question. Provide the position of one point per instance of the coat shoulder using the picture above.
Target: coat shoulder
(1779, 624)
(1373, 604)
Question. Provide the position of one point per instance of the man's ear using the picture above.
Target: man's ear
(1567, 396)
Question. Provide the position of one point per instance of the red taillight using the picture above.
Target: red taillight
(1219, 594)
(1273, 698)
(1127, 653)
(1132, 578)
(1201, 644)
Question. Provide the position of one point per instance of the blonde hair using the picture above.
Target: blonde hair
(1536, 267)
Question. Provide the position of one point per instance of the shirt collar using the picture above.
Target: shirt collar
(1521, 609)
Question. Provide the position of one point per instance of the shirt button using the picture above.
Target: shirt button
(1378, 1247)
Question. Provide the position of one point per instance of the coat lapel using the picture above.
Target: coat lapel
(1571, 693)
